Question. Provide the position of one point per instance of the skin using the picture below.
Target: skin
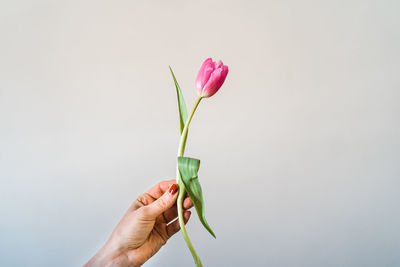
(144, 229)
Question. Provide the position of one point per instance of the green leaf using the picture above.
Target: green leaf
(183, 115)
(188, 168)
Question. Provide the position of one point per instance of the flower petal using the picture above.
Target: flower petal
(204, 74)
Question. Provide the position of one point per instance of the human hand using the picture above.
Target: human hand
(144, 229)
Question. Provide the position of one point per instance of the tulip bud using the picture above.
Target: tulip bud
(211, 77)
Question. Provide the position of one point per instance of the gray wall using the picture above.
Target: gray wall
(299, 149)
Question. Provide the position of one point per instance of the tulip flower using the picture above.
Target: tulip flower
(211, 77)
(209, 80)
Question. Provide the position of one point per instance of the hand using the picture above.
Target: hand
(144, 229)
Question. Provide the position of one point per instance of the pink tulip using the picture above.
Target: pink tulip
(211, 77)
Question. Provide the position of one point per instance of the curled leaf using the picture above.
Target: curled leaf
(188, 169)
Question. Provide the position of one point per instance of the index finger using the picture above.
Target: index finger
(159, 189)
(151, 195)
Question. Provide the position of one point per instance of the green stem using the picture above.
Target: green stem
(182, 189)
(182, 143)
(181, 197)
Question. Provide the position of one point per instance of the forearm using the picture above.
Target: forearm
(108, 257)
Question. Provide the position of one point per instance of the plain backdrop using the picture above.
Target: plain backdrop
(300, 148)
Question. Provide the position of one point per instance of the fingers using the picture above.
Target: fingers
(162, 204)
(174, 227)
(187, 203)
(172, 213)
(159, 189)
(151, 195)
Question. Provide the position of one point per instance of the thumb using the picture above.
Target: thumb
(162, 204)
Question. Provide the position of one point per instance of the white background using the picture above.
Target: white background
(300, 149)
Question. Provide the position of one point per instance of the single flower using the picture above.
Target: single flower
(211, 77)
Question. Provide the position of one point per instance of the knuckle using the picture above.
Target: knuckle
(144, 199)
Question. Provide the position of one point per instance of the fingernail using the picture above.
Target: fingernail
(173, 189)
